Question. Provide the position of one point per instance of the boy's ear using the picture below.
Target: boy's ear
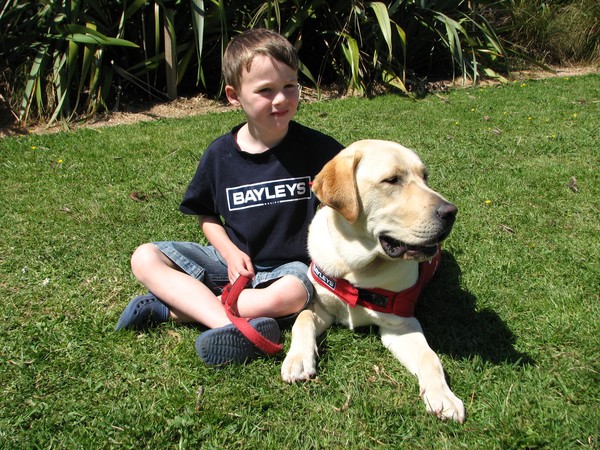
(232, 95)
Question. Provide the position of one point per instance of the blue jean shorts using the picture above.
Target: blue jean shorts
(206, 264)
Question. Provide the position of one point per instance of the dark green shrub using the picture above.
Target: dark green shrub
(71, 58)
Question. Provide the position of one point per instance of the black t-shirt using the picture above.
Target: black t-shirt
(264, 199)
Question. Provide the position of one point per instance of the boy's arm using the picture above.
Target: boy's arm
(238, 263)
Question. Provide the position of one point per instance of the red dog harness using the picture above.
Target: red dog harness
(398, 303)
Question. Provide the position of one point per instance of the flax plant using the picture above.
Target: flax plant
(67, 59)
(74, 57)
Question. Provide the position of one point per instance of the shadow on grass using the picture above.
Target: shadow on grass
(454, 326)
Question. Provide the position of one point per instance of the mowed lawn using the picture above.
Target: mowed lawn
(513, 311)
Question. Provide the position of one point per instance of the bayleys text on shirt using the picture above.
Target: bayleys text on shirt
(266, 193)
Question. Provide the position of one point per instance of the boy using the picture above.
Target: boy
(252, 198)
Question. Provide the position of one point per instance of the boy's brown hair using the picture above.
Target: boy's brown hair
(242, 49)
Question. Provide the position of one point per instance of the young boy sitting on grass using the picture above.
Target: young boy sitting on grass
(253, 201)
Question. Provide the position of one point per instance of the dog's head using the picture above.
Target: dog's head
(380, 189)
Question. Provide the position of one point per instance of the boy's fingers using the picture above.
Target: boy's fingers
(246, 273)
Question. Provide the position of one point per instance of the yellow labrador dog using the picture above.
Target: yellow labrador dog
(374, 244)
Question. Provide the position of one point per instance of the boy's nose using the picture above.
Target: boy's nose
(279, 98)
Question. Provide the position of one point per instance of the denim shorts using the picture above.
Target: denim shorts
(206, 264)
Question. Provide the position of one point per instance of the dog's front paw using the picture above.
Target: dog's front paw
(441, 402)
(298, 366)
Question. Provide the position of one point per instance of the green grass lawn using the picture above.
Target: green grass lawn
(513, 312)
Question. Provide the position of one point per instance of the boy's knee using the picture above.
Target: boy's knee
(143, 257)
(293, 292)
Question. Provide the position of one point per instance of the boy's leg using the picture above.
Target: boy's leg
(279, 292)
(173, 274)
(283, 291)
(175, 279)
(188, 298)
(283, 297)
(150, 263)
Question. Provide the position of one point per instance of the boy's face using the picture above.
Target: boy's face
(268, 94)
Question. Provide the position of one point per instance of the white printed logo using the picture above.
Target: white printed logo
(261, 194)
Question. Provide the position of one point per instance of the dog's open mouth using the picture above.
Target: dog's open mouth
(396, 249)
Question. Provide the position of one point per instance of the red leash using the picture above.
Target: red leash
(229, 298)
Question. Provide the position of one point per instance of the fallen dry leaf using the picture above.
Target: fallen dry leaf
(138, 197)
(573, 184)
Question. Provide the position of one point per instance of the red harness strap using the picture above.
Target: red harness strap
(229, 298)
(398, 303)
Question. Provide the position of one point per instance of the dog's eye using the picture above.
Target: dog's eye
(392, 180)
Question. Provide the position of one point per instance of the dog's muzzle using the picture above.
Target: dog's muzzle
(445, 214)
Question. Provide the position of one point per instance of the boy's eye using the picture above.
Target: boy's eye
(291, 87)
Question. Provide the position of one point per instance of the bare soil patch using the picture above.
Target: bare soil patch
(196, 105)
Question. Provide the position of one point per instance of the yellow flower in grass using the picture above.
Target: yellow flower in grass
(488, 202)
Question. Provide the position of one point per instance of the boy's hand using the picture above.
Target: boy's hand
(238, 263)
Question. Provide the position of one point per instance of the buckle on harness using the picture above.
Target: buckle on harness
(379, 300)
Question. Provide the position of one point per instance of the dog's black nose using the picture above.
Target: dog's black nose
(447, 211)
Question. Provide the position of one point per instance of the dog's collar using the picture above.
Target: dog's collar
(397, 303)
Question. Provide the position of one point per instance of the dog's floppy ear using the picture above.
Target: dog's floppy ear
(336, 187)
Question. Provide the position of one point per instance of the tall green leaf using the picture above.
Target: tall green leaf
(383, 18)
(351, 52)
(32, 88)
(198, 14)
(87, 35)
